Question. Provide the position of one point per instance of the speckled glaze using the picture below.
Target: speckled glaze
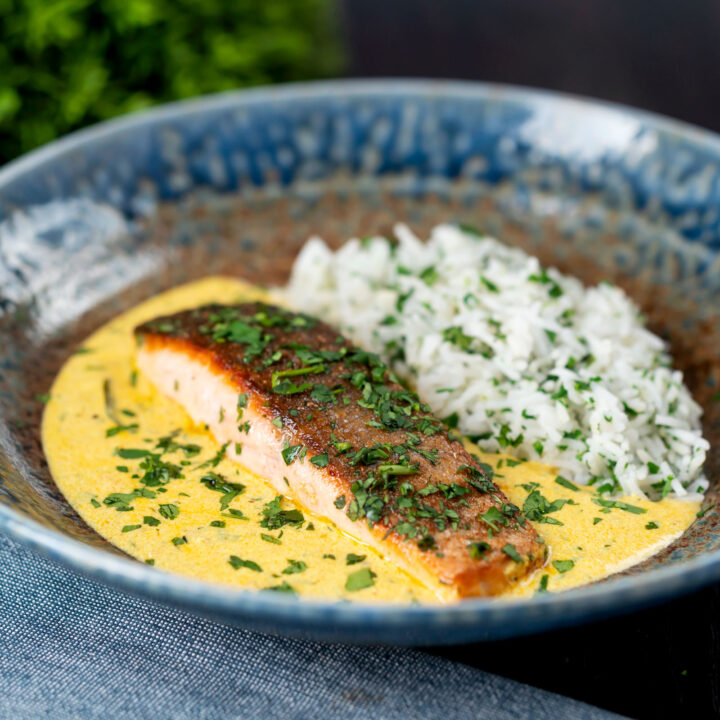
(234, 184)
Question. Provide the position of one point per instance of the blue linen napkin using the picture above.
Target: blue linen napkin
(71, 648)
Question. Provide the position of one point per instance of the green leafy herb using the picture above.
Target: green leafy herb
(116, 429)
(270, 539)
(236, 563)
(478, 549)
(169, 511)
(293, 452)
(537, 508)
(275, 517)
(216, 459)
(512, 553)
(492, 516)
(131, 453)
(360, 579)
(430, 275)
(217, 482)
(560, 480)
(562, 566)
(619, 505)
(294, 566)
(320, 461)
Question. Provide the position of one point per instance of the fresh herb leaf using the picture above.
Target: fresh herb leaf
(236, 563)
(294, 566)
(560, 480)
(360, 579)
(512, 553)
(478, 549)
(275, 517)
(169, 511)
(293, 452)
(562, 566)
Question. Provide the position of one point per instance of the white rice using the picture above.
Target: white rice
(526, 361)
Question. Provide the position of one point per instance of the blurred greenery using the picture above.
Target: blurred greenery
(68, 63)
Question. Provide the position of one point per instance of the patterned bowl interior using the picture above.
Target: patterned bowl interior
(236, 184)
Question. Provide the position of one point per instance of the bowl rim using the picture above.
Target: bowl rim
(605, 597)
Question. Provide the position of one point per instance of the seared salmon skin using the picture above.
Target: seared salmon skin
(328, 425)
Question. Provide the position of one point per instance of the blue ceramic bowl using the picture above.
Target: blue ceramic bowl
(100, 220)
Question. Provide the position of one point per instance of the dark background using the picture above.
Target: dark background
(662, 56)
(68, 63)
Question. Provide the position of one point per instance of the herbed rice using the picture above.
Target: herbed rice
(524, 360)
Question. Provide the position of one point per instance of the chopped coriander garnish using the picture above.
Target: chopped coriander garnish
(216, 459)
(562, 566)
(270, 539)
(236, 563)
(235, 514)
(619, 505)
(478, 549)
(293, 452)
(275, 517)
(131, 453)
(360, 579)
(512, 553)
(320, 461)
(116, 429)
(169, 511)
(560, 480)
(294, 566)
(492, 516)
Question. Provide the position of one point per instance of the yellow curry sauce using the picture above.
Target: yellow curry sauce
(103, 418)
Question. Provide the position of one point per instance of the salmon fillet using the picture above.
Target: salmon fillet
(328, 425)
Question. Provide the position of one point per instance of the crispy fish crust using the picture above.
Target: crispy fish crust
(328, 425)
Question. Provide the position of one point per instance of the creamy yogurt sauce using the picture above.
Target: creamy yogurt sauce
(139, 472)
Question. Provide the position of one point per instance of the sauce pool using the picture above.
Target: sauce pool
(105, 424)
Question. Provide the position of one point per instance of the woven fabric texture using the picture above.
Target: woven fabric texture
(73, 649)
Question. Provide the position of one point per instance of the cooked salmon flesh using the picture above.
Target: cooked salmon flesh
(328, 425)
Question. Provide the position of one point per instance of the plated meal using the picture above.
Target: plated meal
(406, 421)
